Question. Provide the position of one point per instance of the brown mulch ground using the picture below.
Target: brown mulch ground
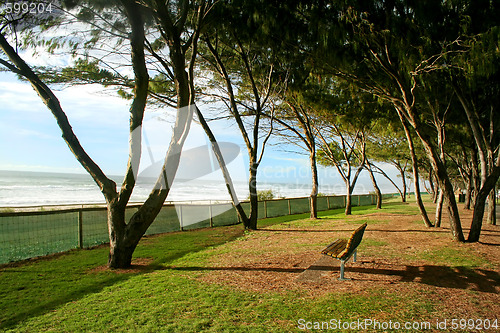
(399, 254)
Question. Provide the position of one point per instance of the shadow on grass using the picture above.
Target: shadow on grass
(36, 307)
(439, 276)
(34, 288)
(351, 230)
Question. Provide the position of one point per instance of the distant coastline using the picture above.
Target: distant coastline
(29, 188)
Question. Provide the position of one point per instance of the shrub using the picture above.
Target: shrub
(264, 195)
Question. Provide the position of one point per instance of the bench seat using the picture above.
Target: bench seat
(343, 249)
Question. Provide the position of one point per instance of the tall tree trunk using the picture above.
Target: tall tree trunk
(403, 199)
(254, 203)
(482, 194)
(314, 191)
(477, 217)
(375, 186)
(468, 193)
(405, 189)
(447, 188)
(414, 162)
(225, 173)
(492, 211)
(348, 198)
(439, 209)
(120, 255)
(476, 179)
(434, 187)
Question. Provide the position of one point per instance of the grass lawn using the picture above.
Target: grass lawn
(227, 280)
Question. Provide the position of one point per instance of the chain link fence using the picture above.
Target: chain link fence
(28, 234)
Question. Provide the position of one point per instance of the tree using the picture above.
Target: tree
(345, 119)
(477, 85)
(242, 60)
(177, 33)
(388, 145)
(296, 117)
(386, 47)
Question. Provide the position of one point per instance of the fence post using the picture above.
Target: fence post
(328, 202)
(80, 229)
(359, 200)
(211, 216)
(180, 218)
(265, 209)
(289, 208)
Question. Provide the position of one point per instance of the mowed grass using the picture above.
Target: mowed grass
(73, 292)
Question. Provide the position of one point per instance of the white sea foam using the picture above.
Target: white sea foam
(39, 188)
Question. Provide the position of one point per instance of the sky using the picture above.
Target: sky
(30, 139)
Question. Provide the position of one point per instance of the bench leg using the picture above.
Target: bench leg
(342, 267)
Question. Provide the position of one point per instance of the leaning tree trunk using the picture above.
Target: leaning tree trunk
(482, 194)
(445, 185)
(225, 173)
(414, 162)
(439, 209)
(375, 187)
(477, 217)
(434, 187)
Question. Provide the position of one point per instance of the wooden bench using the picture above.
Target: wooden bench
(343, 249)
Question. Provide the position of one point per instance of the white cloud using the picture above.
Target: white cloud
(41, 168)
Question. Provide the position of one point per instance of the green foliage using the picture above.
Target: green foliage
(82, 72)
(265, 195)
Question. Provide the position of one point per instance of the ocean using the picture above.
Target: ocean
(22, 188)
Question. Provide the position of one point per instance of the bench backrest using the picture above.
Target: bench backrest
(353, 242)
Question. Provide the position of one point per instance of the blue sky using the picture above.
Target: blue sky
(30, 139)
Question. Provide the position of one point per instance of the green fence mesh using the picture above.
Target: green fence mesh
(37, 234)
(166, 221)
(336, 202)
(322, 203)
(277, 208)
(94, 227)
(299, 205)
(30, 234)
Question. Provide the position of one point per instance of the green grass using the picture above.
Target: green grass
(453, 257)
(68, 293)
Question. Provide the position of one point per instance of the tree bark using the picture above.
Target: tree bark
(402, 174)
(447, 188)
(348, 204)
(403, 196)
(434, 187)
(375, 186)
(439, 209)
(225, 173)
(492, 212)
(254, 203)
(477, 217)
(414, 161)
(468, 193)
(314, 190)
